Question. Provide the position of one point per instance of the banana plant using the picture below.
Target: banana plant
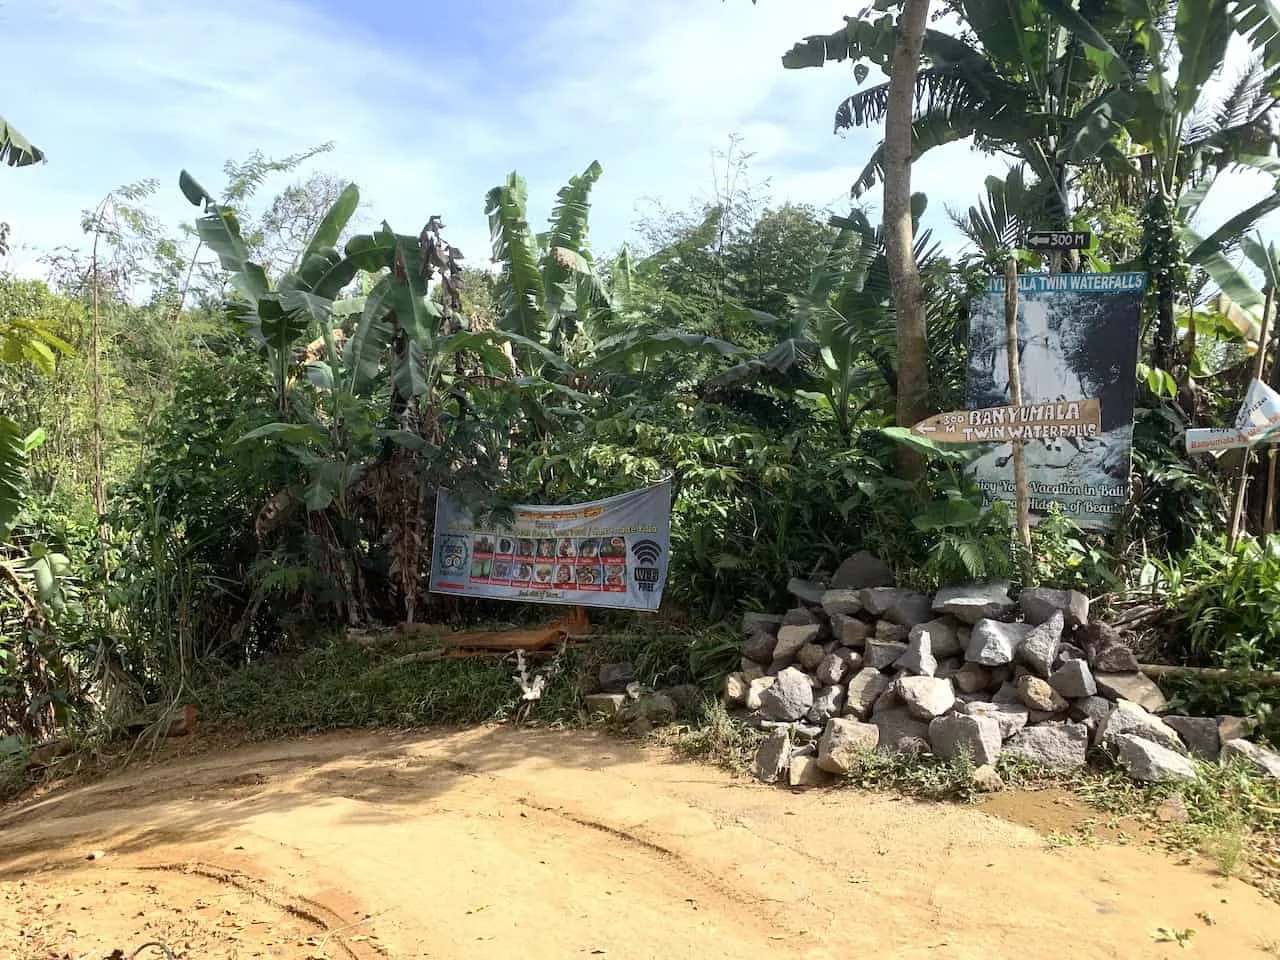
(278, 317)
(840, 341)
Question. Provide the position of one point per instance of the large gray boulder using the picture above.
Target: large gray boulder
(806, 591)
(789, 698)
(881, 654)
(761, 623)
(1074, 680)
(1040, 603)
(1059, 747)
(926, 697)
(985, 601)
(860, 571)
(827, 703)
(1129, 718)
(1093, 713)
(759, 646)
(953, 735)
(773, 756)
(844, 602)
(877, 601)
(1264, 760)
(751, 669)
(1151, 762)
(755, 692)
(971, 678)
(842, 741)
(1135, 687)
(900, 732)
(944, 638)
(910, 609)
(1200, 734)
(835, 666)
(851, 631)
(1010, 717)
(1040, 646)
(791, 639)
(891, 632)
(864, 690)
(802, 616)
(918, 658)
(993, 642)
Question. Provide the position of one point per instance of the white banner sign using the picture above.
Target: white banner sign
(1257, 422)
(608, 553)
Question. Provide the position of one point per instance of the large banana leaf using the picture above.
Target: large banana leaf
(1235, 227)
(334, 222)
(1258, 21)
(418, 314)
(568, 233)
(1096, 125)
(523, 296)
(362, 356)
(372, 252)
(618, 351)
(1203, 28)
(13, 474)
(15, 149)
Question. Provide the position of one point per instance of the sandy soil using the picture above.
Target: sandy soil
(499, 843)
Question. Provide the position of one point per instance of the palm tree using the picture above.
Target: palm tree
(1034, 79)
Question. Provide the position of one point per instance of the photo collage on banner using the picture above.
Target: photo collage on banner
(607, 553)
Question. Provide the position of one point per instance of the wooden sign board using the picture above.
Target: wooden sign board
(1059, 240)
(1031, 421)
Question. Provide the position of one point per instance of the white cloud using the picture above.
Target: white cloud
(427, 121)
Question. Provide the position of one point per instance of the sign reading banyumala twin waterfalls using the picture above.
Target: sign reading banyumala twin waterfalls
(1077, 350)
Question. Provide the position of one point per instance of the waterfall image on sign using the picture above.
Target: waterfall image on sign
(1077, 340)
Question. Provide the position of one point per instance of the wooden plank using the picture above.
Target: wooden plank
(1030, 421)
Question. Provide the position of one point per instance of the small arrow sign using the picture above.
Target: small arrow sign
(1059, 240)
(1031, 421)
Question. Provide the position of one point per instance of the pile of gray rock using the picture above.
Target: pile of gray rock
(859, 664)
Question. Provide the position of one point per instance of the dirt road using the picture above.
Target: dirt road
(499, 843)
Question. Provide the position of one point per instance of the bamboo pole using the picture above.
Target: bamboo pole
(1264, 678)
(1237, 516)
(1015, 397)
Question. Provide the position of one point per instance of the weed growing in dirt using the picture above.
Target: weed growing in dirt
(718, 738)
(916, 774)
(342, 684)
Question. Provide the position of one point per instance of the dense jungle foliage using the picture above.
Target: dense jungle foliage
(222, 446)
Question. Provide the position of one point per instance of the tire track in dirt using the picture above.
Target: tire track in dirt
(765, 914)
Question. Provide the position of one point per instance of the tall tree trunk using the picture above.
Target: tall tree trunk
(913, 348)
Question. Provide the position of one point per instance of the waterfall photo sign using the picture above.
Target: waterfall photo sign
(607, 553)
(1077, 341)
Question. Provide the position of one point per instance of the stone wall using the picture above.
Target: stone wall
(860, 664)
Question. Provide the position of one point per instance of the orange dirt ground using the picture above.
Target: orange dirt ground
(497, 843)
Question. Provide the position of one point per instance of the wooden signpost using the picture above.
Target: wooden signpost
(1031, 421)
(1015, 395)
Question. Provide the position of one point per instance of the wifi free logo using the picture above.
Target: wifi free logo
(646, 572)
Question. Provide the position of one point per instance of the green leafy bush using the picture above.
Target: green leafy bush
(1225, 602)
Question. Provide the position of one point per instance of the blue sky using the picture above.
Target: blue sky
(430, 104)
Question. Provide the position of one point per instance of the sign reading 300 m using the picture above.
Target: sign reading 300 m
(608, 553)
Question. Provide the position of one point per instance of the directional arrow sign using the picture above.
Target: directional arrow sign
(1257, 422)
(1031, 421)
(1059, 240)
